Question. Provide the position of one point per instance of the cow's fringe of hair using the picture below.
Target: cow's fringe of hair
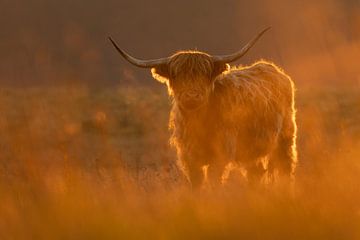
(191, 64)
(185, 64)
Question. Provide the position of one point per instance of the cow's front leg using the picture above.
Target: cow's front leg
(223, 152)
(215, 173)
(195, 175)
(253, 164)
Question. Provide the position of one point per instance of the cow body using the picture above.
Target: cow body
(249, 117)
(221, 115)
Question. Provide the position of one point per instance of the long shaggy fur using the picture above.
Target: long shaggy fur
(248, 117)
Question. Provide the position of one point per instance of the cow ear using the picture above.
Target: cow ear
(219, 68)
(161, 73)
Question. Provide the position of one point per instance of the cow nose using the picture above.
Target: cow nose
(193, 95)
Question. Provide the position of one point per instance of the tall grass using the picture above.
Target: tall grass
(80, 163)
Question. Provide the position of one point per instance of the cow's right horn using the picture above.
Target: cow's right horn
(139, 62)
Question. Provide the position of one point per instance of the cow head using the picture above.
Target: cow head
(189, 75)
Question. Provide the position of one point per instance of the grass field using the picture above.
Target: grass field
(83, 163)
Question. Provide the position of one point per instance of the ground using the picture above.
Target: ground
(83, 163)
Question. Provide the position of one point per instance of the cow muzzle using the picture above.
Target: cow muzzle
(191, 100)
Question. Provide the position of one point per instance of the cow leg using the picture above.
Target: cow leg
(255, 172)
(196, 175)
(215, 172)
(254, 168)
(284, 157)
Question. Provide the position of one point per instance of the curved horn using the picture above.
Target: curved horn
(232, 57)
(139, 62)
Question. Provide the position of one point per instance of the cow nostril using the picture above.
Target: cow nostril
(192, 95)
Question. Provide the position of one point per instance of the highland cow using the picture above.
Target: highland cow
(221, 114)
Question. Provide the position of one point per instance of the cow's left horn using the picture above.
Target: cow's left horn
(139, 62)
(232, 57)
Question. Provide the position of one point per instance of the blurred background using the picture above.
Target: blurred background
(58, 67)
(52, 42)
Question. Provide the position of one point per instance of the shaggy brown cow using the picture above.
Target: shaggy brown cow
(220, 114)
